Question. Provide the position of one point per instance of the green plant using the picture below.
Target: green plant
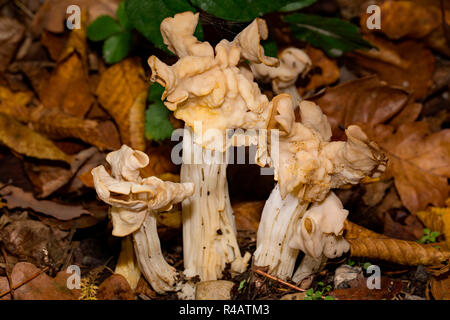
(116, 35)
(429, 236)
(157, 124)
(350, 262)
(242, 285)
(319, 293)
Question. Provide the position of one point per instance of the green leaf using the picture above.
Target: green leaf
(350, 262)
(366, 265)
(122, 17)
(242, 285)
(309, 292)
(239, 10)
(103, 27)
(270, 48)
(297, 5)
(117, 47)
(435, 234)
(147, 15)
(329, 298)
(333, 35)
(426, 231)
(157, 124)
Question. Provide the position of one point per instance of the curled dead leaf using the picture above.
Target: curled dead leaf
(397, 251)
(11, 33)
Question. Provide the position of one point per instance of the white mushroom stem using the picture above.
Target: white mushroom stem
(277, 226)
(134, 204)
(161, 275)
(209, 231)
(308, 266)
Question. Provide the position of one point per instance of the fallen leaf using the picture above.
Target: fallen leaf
(403, 226)
(122, 91)
(388, 289)
(248, 214)
(355, 231)
(366, 100)
(17, 198)
(51, 15)
(115, 287)
(49, 178)
(437, 219)
(415, 74)
(418, 161)
(68, 87)
(402, 252)
(25, 141)
(54, 43)
(324, 70)
(405, 19)
(58, 124)
(11, 33)
(32, 240)
(42, 287)
(440, 287)
(14, 104)
(37, 74)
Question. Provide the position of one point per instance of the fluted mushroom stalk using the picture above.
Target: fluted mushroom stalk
(208, 91)
(134, 204)
(307, 167)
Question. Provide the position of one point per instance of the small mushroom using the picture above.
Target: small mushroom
(307, 166)
(134, 204)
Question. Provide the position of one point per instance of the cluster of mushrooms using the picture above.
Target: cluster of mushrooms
(213, 90)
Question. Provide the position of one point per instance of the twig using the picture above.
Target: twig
(25, 281)
(8, 276)
(24, 8)
(260, 272)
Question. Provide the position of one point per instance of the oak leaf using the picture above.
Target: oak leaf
(419, 162)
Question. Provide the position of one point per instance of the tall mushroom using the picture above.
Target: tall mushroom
(134, 204)
(307, 167)
(207, 89)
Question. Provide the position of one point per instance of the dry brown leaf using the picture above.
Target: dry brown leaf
(414, 73)
(17, 198)
(57, 124)
(324, 70)
(54, 43)
(115, 287)
(68, 87)
(440, 287)
(388, 289)
(15, 104)
(28, 142)
(48, 179)
(419, 162)
(354, 231)
(397, 251)
(248, 214)
(42, 287)
(51, 15)
(11, 33)
(437, 219)
(122, 91)
(405, 19)
(402, 225)
(366, 100)
(409, 114)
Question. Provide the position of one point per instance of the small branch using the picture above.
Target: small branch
(262, 273)
(25, 281)
(8, 276)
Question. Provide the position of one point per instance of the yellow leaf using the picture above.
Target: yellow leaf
(28, 142)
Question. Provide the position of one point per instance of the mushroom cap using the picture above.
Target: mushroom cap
(320, 230)
(130, 196)
(206, 88)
